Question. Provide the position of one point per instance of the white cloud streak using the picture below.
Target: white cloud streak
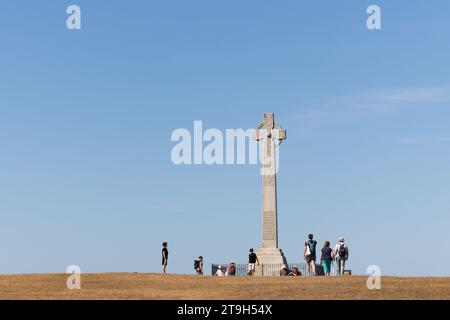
(435, 140)
(382, 100)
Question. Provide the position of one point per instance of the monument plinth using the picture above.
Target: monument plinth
(271, 136)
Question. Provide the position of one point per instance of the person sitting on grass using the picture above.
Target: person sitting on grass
(284, 271)
(295, 272)
(219, 272)
(231, 270)
(326, 258)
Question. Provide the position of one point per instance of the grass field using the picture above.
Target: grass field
(156, 286)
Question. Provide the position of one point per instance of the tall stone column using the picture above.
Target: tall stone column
(268, 134)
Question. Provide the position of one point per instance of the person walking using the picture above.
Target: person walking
(341, 254)
(252, 260)
(165, 256)
(326, 258)
(309, 254)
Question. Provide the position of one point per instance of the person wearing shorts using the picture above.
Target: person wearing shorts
(309, 253)
(252, 260)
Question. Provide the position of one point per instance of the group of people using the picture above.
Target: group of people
(327, 256)
(285, 271)
(231, 270)
(198, 263)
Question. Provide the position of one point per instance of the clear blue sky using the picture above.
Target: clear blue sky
(86, 117)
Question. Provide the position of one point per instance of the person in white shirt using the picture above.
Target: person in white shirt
(219, 272)
(341, 254)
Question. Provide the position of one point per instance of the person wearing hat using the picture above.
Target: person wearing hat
(341, 254)
(295, 272)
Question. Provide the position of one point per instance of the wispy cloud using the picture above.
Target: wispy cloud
(383, 100)
(434, 140)
(375, 101)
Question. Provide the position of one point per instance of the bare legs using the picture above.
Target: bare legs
(311, 264)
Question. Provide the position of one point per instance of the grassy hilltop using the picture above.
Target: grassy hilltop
(157, 286)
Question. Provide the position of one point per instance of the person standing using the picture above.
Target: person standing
(326, 258)
(165, 256)
(252, 260)
(341, 254)
(198, 265)
(310, 254)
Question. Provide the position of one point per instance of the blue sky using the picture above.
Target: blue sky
(86, 118)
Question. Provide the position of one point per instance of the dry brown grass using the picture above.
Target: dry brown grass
(156, 286)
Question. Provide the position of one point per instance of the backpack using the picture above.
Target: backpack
(196, 264)
(312, 247)
(342, 251)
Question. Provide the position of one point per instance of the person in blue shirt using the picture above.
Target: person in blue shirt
(326, 258)
(309, 253)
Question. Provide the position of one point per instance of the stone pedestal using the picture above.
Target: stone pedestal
(271, 256)
(270, 262)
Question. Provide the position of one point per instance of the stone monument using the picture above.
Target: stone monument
(270, 135)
